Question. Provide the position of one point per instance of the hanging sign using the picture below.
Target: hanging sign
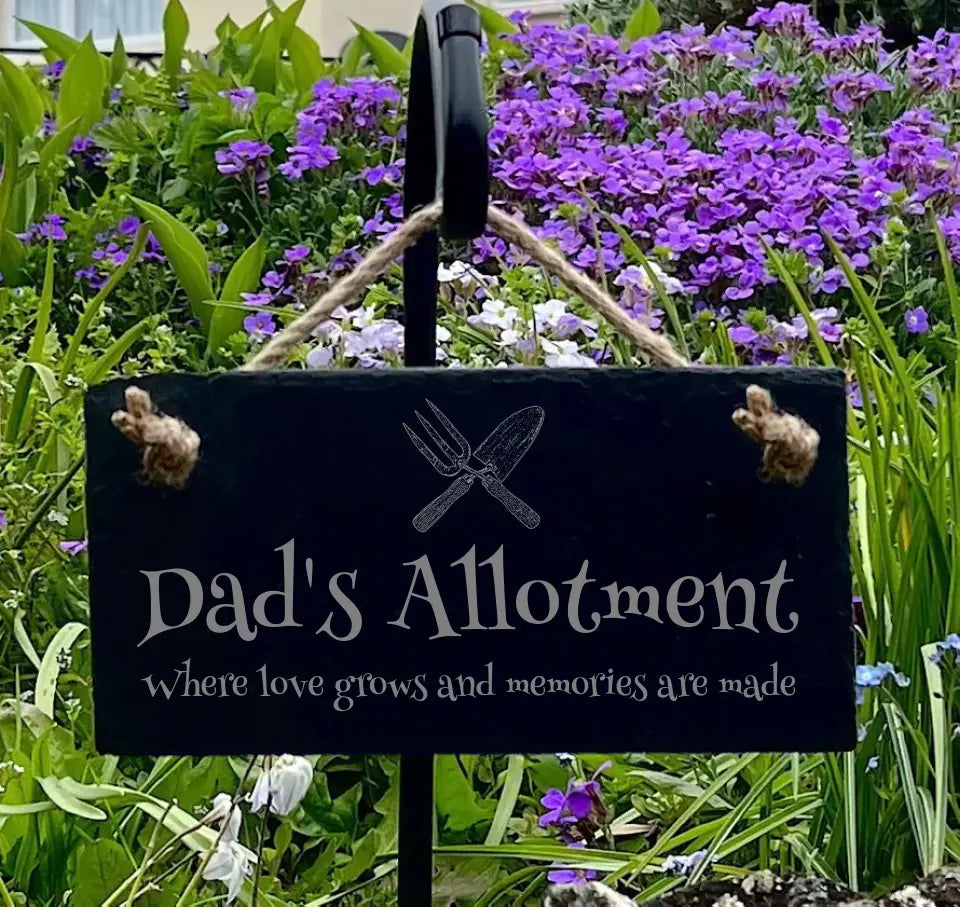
(471, 561)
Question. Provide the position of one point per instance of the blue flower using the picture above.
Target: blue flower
(874, 676)
(872, 763)
(683, 865)
(950, 644)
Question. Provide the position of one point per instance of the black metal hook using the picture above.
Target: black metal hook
(447, 120)
(446, 156)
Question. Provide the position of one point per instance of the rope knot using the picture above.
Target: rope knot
(789, 444)
(170, 446)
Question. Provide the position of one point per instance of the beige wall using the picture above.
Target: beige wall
(327, 20)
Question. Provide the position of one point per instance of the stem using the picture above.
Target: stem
(147, 857)
(263, 834)
(46, 503)
(197, 877)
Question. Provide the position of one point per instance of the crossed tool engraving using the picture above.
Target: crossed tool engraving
(498, 454)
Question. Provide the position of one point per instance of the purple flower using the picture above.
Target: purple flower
(260, 324)
(296, 254)
(273, 280)
(54, 70)
(73, 548)
(241, 99)
(128, 226)
(3, 519)
(571, 876)
(257, 298)
(243, 155)
(917, 320)
(743, 334)
(51, 227)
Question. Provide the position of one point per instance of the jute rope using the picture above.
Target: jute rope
(171, 448)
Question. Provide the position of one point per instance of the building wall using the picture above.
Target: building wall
(327, 20)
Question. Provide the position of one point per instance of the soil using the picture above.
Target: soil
(942, 889)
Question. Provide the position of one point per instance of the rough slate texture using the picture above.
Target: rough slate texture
(639, 472)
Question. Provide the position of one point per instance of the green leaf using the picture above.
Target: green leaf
(264, 70)
(102, 866)
(386, 58)
(12, 257)
(93, 307)
(111, 356)
(24, 99)
(34, 365)
(364, 853)
(118, 60)
(68, 803)
(306, 59)
(82, 87)
(643, 23)
(244, 277)
(328, 816)
(508, 799)
(58, 145)
(226, 28)
(351, 58)
(11, 169)
(457, 800)
(62, 46)
(176, 28)
(26, 809)
(494, 24)
(50, 667)
(185, 253)
(249, 32)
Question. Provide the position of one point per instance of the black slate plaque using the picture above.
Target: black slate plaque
(471, 561)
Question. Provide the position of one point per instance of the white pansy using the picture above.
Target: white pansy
(284, 786)
(226, 816)
(231, 864)
(565, 354)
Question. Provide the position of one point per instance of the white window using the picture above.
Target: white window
(139, 21)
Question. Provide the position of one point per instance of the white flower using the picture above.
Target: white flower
(284, 786)
(319, 357)
(231, 864)
(509, 337)
(457, 271)
(443, 335)
(227, 819)
(549, 312)
(496, 313)
(565, 354)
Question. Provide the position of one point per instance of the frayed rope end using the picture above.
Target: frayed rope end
(170, 447)
(790, 445)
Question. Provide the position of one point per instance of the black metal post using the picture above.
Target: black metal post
(446, 121)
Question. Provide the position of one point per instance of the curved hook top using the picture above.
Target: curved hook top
(447, 122)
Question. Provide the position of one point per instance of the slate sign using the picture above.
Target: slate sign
(491, 561)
